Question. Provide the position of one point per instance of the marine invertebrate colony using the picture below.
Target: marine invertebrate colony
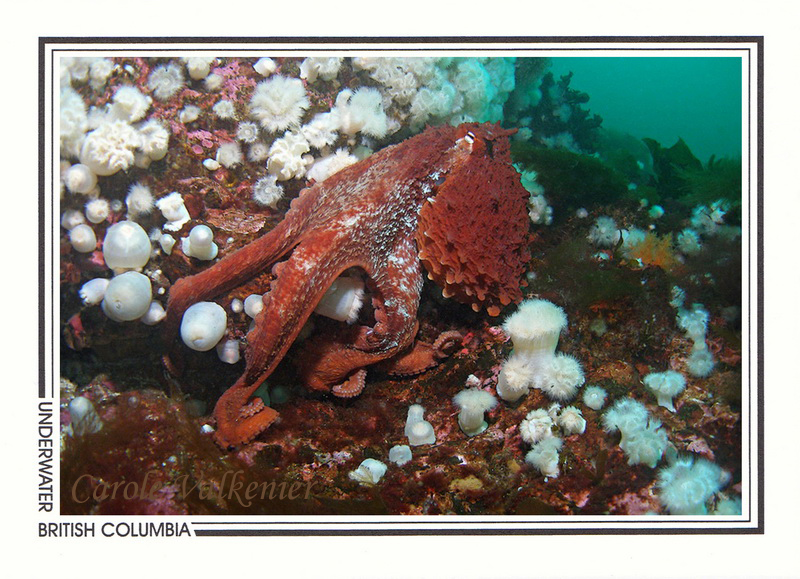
(429, 199)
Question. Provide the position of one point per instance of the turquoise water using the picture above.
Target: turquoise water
(697, 99)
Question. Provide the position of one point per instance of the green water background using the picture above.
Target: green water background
(696, 98)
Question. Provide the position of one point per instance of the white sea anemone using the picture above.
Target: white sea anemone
(247, 132)
(361, 111)
(561, 378)
(400, 454)
(325, 68)
(685, 487)
(343, 300)
(126, 246)
(265, 66)
(140, 200)
(257, 152)
(571, 421)
(198, 66)
(666, 386)
(154, 314)
(700, 362)
(278, 103)
(224, 110)
(165, 80)
(203, 326)
(110, 147)
(154, 141)
(97, 210)
(228, 351)
(127, 297)
(174, 211)
(229, 154)
(80, 179)
(604, 232)
(200, 243)
(93, 291)
(369, 472)
(515, 378)
(536, 426)
(267, 192)
(594, 397)
(535, 328)
(286, 156)
(82, 238)
(330, 164)
(544, 456)
(418, 430)
(472, 404)
(130, 104)
(83, 417)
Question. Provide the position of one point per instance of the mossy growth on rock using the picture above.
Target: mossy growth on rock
(571, 180)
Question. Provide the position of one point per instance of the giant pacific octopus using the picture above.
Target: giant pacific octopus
(448, 198)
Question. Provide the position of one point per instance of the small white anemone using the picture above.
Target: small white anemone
(155, 142)
(265, 66)
(694, 322)
(253, 304)
(515, 378)
(80, 179)
(418, 430)
(229, 154)
(126, 246)
(369, 472)
(604, 232)
(154, 314)
(127, 296)
(83, 417)
(174, 211)
(199, 66)
(400, 454)
(165, 80)
(93, 291)
(200, 243)
(203, 326)
(82, 238)
(685, 487)
(472, 403)
(279, 103)
(343, 300)
(71, 218)
(645, 445)
(666, 386)
(544, 456)
(561, 378)
(571, 421)
(594, 397)
(267, 192)
(140, 200)
(701, 362)
(97, 210)
(536, 426)
(228, 351)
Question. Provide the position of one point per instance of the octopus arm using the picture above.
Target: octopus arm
(298, 288)
(335, 362)
(227, 274)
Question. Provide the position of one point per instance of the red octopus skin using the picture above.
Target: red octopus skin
(367, 216)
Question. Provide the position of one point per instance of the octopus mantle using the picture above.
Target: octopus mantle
(448, 198)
